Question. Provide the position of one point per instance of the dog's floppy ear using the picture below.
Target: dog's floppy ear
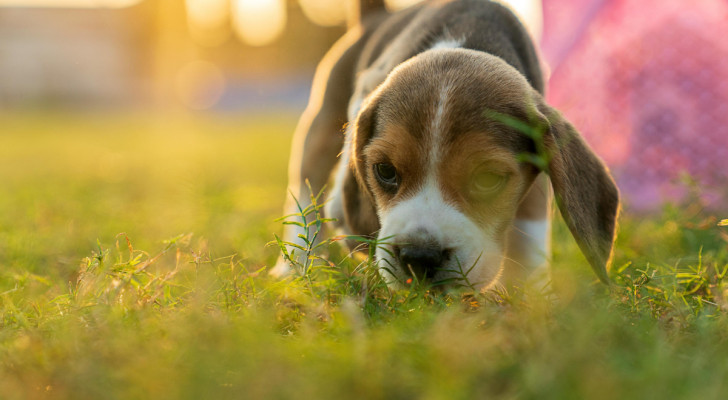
(585, 191)
(360, 213)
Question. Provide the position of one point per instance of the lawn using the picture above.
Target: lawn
(132, 265)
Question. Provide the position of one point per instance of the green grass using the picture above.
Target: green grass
(132, 255)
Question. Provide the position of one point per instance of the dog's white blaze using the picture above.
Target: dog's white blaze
(428, 214)
(442, 102)
(437, 120)
(436, 132)
(448, 44)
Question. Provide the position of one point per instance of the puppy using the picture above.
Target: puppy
(450, 154)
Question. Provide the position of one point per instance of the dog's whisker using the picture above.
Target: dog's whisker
(515, 262)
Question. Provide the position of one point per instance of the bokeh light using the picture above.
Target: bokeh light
(399, 4)
(208, 21)
(325, 12)
(69, 3)
(259, 22)
(530, 12)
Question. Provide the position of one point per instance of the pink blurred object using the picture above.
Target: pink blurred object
(646, 83)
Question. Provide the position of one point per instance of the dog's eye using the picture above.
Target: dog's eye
(487, 183)
(386, 174)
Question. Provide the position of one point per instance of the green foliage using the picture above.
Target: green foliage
(198, 316)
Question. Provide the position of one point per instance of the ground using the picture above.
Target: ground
(133, 251)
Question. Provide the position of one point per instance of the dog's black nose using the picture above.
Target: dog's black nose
(423, 260)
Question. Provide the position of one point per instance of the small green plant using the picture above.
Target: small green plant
(534, 130)
(311, 221)
(324, 278)
(126, 280)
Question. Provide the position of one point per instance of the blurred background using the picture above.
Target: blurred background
(645, 81)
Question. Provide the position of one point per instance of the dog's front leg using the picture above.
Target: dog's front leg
(316, 143)
(319, 137)
(529, 241)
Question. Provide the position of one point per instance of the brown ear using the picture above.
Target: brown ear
(360, 213)
(585, 191)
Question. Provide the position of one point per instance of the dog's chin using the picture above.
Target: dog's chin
(479, 277)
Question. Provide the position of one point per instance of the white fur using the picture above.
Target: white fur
(436, 128)
(442, 102)
(427, 213)
(448, 44)
(537, 234)
(534, 254)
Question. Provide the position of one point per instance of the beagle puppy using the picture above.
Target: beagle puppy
(450, 156)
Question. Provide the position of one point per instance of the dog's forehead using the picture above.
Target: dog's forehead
(454, 92)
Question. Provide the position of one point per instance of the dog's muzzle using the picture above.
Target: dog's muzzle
(421, 259)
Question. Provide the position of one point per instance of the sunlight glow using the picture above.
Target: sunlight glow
(530, 12)
(259, 22)
(325, 12)
(69, 3)
(400, 4)
(200, 85)
(208, 21)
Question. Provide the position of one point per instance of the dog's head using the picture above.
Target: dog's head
(443, 152)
